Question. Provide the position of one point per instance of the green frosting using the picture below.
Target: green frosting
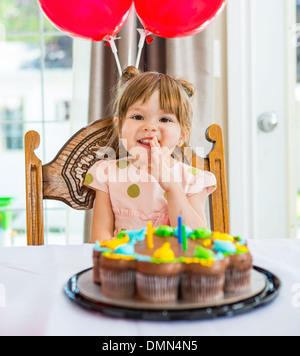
(158, 261)
(201, 233)
(121, 234)
(202, 252)
(164, 230)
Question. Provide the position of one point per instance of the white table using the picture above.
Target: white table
(33, 302)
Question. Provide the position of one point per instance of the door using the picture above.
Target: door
(261, 124)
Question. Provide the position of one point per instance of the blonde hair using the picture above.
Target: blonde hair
(175, 97)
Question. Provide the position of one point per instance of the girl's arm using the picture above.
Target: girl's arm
(191, 209)
(103, 218)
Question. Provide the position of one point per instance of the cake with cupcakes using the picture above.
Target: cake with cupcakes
(166, 264)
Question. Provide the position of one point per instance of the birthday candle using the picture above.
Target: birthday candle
(180, 229)
(184, 237)
(149, 235)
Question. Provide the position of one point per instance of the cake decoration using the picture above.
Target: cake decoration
(184, 239)
(224, 246)
(114, 243)
(241, 248)
(164, 253)
(117, 256)
(136, 235)
(218, 245)
(188, 231)
(205, 262)
(179, 229)
(201, 233)
(99, 248)
(157, 263)
(127, 249)
(149, 235)
(202, 252)
(207, 243)
(164, 230)
(223, 237)
(240, 240)
(142, 258)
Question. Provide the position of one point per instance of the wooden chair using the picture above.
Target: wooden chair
(62, 179)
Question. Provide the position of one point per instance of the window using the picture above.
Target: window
(11, 116)
(37, 85)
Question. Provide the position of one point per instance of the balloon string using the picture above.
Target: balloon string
(118, 63)
(143, 34)
(111, 41)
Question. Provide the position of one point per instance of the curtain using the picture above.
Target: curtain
(190, 58)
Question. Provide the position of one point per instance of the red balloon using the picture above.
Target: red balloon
(177, 18)
(88, 19)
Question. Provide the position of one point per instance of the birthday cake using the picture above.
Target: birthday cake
(166, 264)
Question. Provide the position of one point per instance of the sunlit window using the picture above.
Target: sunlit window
(11, 116)
(35, 94)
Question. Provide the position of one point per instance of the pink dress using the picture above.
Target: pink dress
(136, 196)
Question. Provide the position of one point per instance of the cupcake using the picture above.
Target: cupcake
(101, 247)
(96, 266)
(97, 253)
(203, 278)
(158, 281)
(238, 273)
(117, 275)
(239, 263)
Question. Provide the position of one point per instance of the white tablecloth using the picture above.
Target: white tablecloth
(33, 302)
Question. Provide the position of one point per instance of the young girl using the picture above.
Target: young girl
(153, 115)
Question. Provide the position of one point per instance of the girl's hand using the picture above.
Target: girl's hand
(161, 162)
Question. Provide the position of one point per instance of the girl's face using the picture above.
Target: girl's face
(144, 121)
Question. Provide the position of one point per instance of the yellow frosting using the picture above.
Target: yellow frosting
(206, 243)
(222, 236)
(207, 262)
(116, 256)
(241, 248)
(164, 252)
(114, 243)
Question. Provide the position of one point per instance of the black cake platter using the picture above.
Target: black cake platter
(81, 289)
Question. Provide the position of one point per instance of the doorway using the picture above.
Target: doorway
(262, 119)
